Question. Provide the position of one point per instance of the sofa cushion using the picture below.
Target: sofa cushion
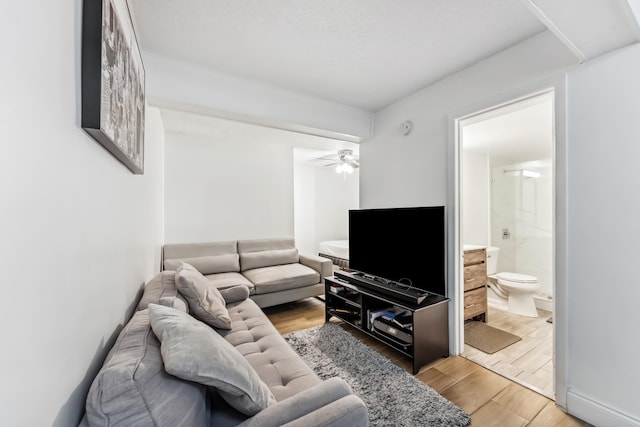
(173, 251)
(205, 301)
(208, 264)
(282, 277)
(277, 364)
(251, 260)
(162, 285)
(257, 245)
(194, 352)
(133, 388)
(227, 280)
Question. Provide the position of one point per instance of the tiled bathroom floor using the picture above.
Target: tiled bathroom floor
(529, 361)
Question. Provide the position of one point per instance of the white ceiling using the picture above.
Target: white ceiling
(515, 133)
(366, 53)
(371, 53)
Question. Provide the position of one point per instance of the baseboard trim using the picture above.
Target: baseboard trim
(596, 413)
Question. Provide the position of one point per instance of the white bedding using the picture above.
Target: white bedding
(336, 248)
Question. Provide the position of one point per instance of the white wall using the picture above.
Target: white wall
(305, 209)
(219, 188)
(596, 337)
(336, 194)
(80, 233)
(604, 289)
(412, 170)
(323, 199)
(227, 180)
(421, 168)
(475, 199)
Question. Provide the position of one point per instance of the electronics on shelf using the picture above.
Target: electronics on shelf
(395, 323)
(419, 331)
(392, 332)
(336, 289)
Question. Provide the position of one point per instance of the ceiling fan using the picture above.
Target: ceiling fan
(346, 161)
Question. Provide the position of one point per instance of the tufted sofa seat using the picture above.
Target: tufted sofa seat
(132, 387)
(260, 343)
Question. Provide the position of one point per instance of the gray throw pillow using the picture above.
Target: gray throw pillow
(235, 293)
(194, 352)
(176, 303)
(204, 299)
(251, 260)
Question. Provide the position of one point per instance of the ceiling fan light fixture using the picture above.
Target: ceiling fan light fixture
(346, 162)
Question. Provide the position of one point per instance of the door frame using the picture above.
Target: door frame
(455, 268)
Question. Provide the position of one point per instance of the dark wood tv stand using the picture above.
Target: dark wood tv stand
(429, 330)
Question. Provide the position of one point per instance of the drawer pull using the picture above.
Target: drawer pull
(468, 280)
(469, 306)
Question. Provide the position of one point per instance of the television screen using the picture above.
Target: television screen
(406, 245)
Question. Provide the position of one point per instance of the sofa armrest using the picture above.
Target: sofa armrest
(330, 403)
(322, 265)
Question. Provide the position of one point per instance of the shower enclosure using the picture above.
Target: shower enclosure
(522, 222)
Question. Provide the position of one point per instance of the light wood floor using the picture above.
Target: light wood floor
(529, 361)
(491, 399)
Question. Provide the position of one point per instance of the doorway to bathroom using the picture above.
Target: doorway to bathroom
(506, 188)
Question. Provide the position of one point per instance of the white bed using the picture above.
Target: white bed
(336, 250)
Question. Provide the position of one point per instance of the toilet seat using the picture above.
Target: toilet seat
(516, 277)
(509, 287)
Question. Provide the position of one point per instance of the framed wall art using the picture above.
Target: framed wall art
(113, 99)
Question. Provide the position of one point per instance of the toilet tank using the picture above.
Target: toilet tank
(492, 259)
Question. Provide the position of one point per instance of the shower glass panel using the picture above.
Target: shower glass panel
(522, 220)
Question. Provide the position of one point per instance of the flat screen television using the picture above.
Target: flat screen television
(406, 245)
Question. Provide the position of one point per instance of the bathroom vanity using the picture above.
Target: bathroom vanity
(475, 284)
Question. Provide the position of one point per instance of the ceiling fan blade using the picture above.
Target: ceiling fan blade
(332, 164)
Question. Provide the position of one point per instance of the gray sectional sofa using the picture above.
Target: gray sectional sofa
(134, 386)
(272, 269)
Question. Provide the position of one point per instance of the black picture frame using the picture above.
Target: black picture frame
(113, 90)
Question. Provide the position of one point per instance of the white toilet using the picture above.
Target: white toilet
(517, 288)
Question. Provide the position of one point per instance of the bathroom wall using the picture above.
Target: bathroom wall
(475, 199)
(523, 206)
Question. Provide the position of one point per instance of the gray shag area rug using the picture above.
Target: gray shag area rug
(392, 395)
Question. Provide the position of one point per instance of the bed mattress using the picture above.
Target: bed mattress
(335, 248)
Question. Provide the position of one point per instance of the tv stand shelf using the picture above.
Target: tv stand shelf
(424, 338)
